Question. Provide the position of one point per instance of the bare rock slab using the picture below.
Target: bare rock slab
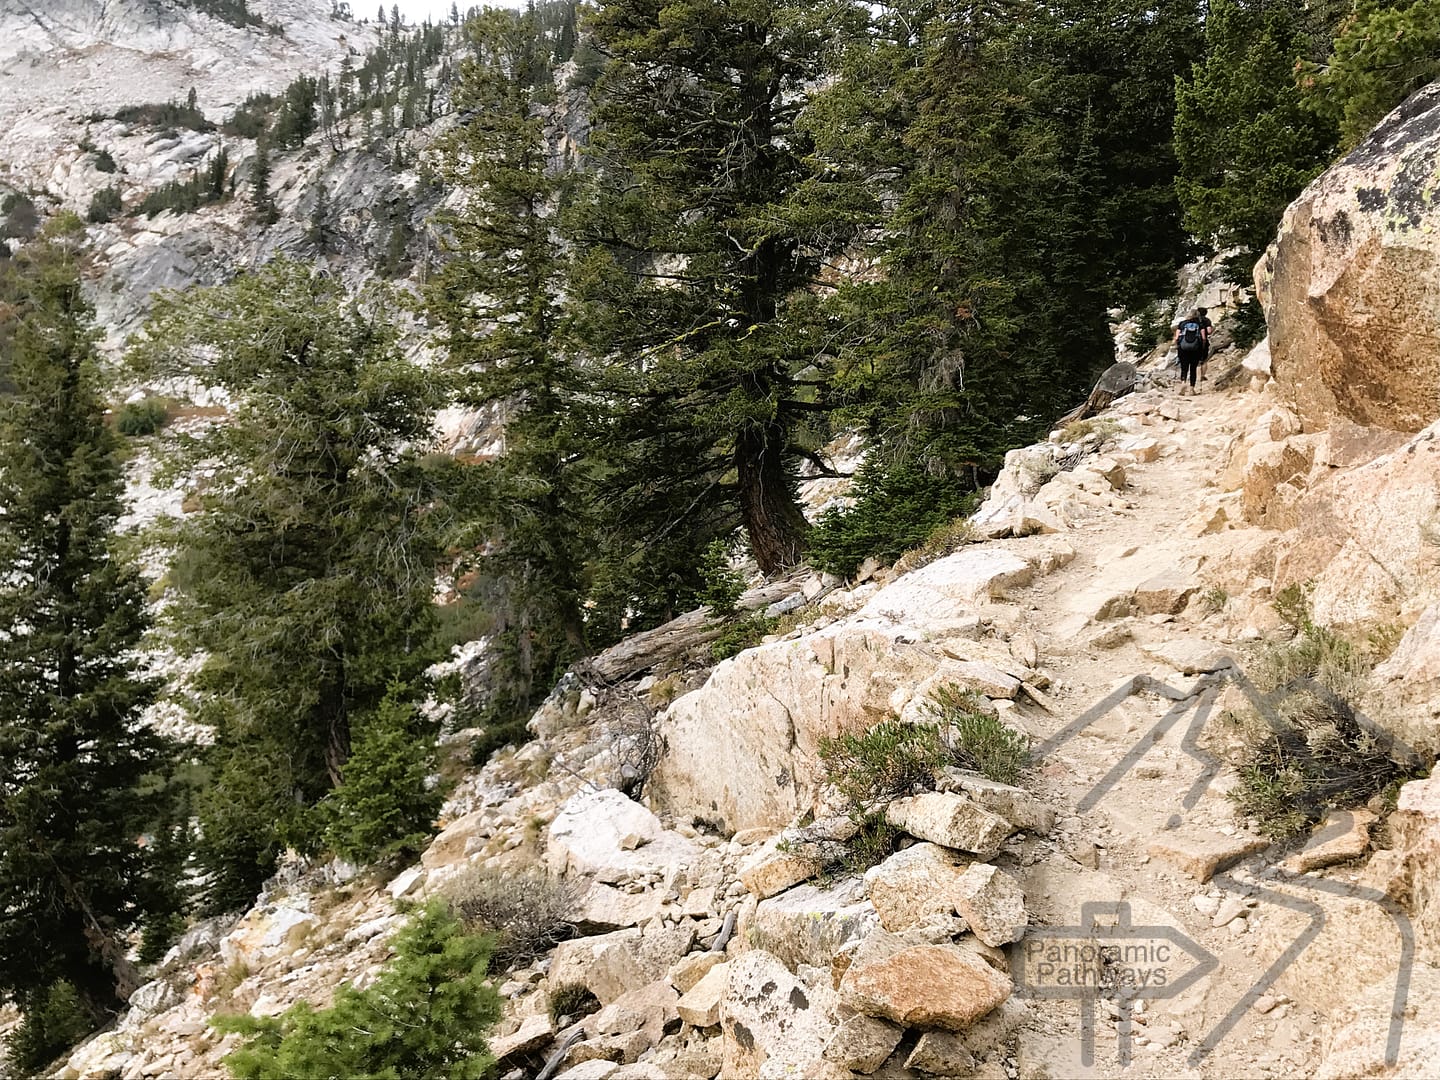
(770, 870)
(534, 1032)
(1344, 835)
(691, 969)
(912, 885)
(862, 1043)
(1014, 804)
(1203, 855)
(612, 965)
(953, 821)
(609, 836)
(1165, 594)
(651, 1008)
(993, 903)
(700, 1005)
(983, 678)
(1189, 656)
(928, 986)
(809, 924)
(769, 1018)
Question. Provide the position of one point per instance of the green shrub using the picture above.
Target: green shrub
(723, 584)
(144, 417)
(977, 739)
(890, 760)
(167, 114)
(105, 205)
(743, 633)
(528, 912)
(204, 187)
(1247, 324)
(1311, 752)
(54, 1022)
(105, 162)
(384, 806)
(425, 1016)
(895, 510)
(1150, 328)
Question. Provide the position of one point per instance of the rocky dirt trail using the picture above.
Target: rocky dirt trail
(1143, 820)
(710, 922)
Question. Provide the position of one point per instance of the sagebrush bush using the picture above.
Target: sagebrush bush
(1310, 749)
(888, 761)
(425, 1016)
(943, 540)
(978, 739)
(528, 912)
(1101, 427)
(571, 1002)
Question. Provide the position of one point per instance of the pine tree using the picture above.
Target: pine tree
(498, 304)
(697, 277)
(1245, 141)
(82, 774)
(306, 581)
(260, 198)
(1382, 54)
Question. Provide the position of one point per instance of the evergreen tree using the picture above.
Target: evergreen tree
(1382, 54)
(306, 581)
(989, 318)
(696, 274)
(498, 305)
(1246, 144)
(425, 1016)
(82, 775)
(260, 198)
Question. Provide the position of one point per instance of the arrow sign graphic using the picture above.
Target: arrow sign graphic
(1107, 956)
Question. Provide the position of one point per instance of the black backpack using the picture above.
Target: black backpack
(1190, 339)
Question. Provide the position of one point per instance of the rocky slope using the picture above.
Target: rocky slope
(1123, 585)
(1110, 635)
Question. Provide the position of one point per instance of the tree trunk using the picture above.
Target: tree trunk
(772, 519)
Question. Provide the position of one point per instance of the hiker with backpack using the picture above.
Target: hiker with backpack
(1206, 327)
(1191, 346)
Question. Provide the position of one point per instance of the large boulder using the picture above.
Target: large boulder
(808, 925)
(1351, 286)
(612, 837)
(926, 986)
(769, 1016)
(1363, 536)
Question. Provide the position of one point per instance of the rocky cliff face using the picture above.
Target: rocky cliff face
(1352, 285)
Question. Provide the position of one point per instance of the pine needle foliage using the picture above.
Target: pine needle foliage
(424, 1018)
(306, 580)
(82, 776)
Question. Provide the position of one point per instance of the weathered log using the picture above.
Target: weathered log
(643, 651)
(1117, 381)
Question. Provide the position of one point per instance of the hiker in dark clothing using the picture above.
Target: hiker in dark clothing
(1190, 345)
(1205, 328)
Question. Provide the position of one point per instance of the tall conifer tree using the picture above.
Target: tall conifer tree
(697, 272)
(498, 307)
(306, 579)
(81, 775)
